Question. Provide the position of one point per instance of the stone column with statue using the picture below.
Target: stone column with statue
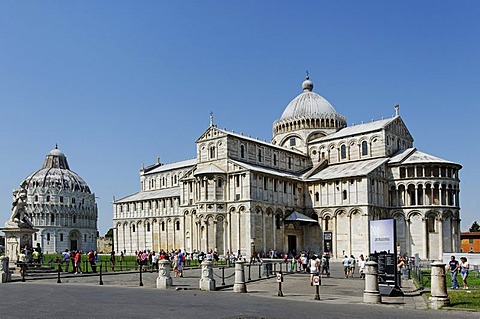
(19, 228)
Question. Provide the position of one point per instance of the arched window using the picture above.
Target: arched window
(289, 162)
(36, 198)
(52, 218)
(364, 148)
(292, 141)
(61, 237)
(163, 226)
(431, 224)
(48, 236)
(148, 227)
(48, 198)
(242, 151)
(260, 155)
(212, 151)
(344, 194)
(74, 219)
(343, 151)
(277, 221)
(133, 228)
(177, 225)
(317, 196)
(327, 220)
(275, 159)
(219, 182)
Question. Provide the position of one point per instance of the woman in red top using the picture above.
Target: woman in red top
(78, 262)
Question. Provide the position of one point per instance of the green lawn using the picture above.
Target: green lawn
(465, 299)
(461, 299)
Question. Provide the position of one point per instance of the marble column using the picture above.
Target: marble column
(438, 297)
(371, 294)
(207, 283)
(239, 285)
(164, 279)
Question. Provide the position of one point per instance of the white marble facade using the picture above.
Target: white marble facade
(239, 193)
(61, 205)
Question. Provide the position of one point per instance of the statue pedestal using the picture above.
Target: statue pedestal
(16, 238)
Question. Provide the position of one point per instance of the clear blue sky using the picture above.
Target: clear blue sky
(118, 83)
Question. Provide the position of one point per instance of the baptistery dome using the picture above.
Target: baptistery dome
(61, 206)
(56, 174)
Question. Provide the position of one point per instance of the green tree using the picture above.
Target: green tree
(109, 233)
(475, 227)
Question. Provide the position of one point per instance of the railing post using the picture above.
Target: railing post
(101, 281)
(140, 271)
(223, 276)
(58, 274)
(259, 271)
(249, 267)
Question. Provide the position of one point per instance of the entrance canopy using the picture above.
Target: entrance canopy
(296, 216)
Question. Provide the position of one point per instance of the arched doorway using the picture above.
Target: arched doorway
(74, 237)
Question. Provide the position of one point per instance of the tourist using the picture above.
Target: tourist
(36, 256)
(91, 260)
(154, 264)
(453, 266)
(112, 260)
(304, 260)
(346, 265)
(66, 259)
(315, 264)
(72, 259)
(464, 267)
(361, 266)
(351, 266)
(78, 262)
(39, 249)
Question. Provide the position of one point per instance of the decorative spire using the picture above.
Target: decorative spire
(307, 85)
(211, 118)
(397, 109)
(56, 146)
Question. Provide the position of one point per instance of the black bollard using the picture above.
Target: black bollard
(223, 276)
(249, 267)
(316, 282)
(22, 270)
(259, 271)
(279, 280)
(141, 282)
(101, 281)
(58, 274)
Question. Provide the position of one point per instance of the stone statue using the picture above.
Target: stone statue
(19, 214)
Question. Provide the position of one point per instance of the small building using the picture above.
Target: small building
(470, 242)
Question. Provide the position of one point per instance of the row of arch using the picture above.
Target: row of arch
(327, 121)
(429, 193)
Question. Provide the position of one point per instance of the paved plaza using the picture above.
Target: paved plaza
(121, 296)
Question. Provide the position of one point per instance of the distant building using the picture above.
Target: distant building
(104, 245)
(315, 186)
(470, 242)
(61, 205)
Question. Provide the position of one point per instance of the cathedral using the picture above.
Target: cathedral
(61, 206)
(314, 187)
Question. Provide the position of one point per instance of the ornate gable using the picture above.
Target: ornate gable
(398, 127)
(211, 133)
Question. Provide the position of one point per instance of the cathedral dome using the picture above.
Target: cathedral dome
(56, 174)
(307, 104)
